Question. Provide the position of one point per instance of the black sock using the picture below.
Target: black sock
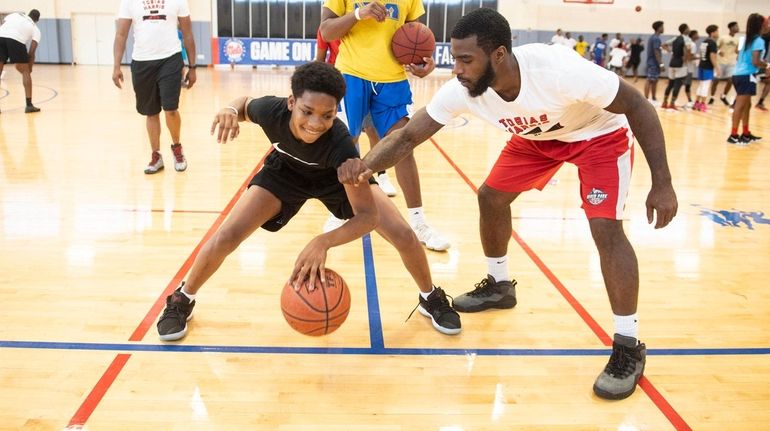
(761, 101)
(29, 101)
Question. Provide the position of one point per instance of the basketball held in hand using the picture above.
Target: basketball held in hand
(319, 312)
(411, 42)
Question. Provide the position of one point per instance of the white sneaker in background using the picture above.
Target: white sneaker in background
(333, 223)
(387, 187)
(430, 238)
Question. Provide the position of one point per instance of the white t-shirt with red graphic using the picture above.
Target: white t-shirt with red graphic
(562, 97)
(155, 24)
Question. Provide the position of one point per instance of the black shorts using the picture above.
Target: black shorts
(293, 190)
(14, 50)
(157, 83)
(745, 85)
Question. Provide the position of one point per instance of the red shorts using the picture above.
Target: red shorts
(604, 167)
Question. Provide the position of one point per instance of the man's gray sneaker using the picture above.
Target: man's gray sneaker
(623, 371)
(487, 294)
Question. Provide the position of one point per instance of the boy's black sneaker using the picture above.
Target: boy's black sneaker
(737, 140)
(172, 324)
(437, 307)
(488, 293)
(623, 371)
(723, 98)
(748, 137)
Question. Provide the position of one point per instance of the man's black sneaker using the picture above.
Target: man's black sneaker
(437, 307)
(623, 371)
(748, 137)
(487, 294)
(172, 325)
(711, 100)
(30, 109)
(723, 98)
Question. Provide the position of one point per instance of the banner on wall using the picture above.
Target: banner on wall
(285, 52)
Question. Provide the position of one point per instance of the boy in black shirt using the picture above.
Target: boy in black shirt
(706, 70)
(309, 145)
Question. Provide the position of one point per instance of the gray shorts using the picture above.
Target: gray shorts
(726, 71)
(677, 72)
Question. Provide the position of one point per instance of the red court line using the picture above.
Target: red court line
(644, 382)
(97, 393)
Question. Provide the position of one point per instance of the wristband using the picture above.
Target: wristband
(233, 109)
(357, 14)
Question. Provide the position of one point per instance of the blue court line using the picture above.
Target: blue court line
(136, 347)
(372, 301)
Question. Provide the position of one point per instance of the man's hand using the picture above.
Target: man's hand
(117, 77)
(374, 10)
(191, 77)
(353, 172)
(422, 70)
(661, 200)
(227, 120)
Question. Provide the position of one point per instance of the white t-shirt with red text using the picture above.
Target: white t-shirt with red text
(562, 97)
(155, 24)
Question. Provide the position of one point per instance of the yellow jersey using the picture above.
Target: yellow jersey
(581, 48)
(365, 49)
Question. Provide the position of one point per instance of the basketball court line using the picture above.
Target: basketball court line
(5, 93)
(94, 397)
(663, 405)
(37, 102)
(405, 351)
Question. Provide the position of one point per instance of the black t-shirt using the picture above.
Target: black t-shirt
(636, 52)
(316, 161)
(677, 52)
(707, 47)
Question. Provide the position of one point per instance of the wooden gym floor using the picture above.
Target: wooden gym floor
(90, 246)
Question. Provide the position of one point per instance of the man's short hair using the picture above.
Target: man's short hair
(34, 14)
(657, 25)
(490, 28)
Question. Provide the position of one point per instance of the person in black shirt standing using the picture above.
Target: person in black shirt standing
(677, 70)
(636, 56)
(309, 144)
(706, 70)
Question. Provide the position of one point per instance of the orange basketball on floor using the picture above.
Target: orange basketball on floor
(411, 42)
(319, 312)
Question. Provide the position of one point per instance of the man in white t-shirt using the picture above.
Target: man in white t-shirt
(557, 38)
(156, 66)
(558, 108)
(18, 31)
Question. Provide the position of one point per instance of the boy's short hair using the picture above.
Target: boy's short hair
(318, 77)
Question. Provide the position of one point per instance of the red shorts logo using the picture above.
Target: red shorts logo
(596, 197)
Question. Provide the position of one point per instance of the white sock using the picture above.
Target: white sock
(189, 296)
(497, 267)
(627, 325)
(416, 217)
(425, 295)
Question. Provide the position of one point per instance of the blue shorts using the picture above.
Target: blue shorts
(705, 74)
(653, 71)
(745, 85)
(386, 102)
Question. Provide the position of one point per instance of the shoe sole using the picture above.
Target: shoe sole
(176, 335)
(435, 248)
(601, 393)
(439, 328)
(502, 305)
(180, 170)
(149, 172)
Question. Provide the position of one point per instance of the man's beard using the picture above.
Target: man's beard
(484, 82)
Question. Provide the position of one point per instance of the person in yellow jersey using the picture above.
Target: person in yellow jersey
(581, 46)
(377, 84)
